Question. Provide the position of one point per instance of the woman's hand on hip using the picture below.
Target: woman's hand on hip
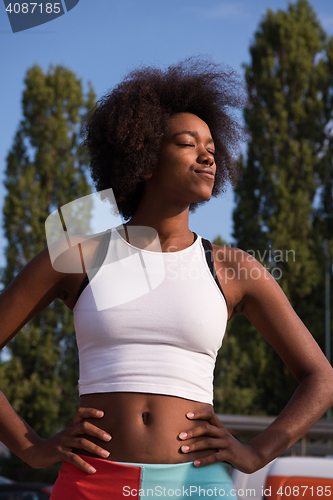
(59, 447)
(215, 437)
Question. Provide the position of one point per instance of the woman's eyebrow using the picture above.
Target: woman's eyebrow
(193, 134)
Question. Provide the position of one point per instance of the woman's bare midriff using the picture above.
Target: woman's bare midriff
(144, 427)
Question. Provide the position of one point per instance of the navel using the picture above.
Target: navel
(145, 417)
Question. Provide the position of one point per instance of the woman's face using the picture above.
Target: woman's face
(186, 168)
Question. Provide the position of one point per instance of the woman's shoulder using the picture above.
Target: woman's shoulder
(75, 254)
(242, 277)
(55, 272)
(235, 258)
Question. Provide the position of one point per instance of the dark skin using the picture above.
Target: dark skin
(156, 428)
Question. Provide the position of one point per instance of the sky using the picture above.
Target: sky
(102, 40)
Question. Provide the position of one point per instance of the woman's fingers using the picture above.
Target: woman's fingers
(79, 462)
(205, 414)
(205, 429)
(81, 426)
(210, 443)
(84, 444)
(73, 437)
(83, 413)
(90, 429)
(60, 446)
(218, 456)
(215, 437)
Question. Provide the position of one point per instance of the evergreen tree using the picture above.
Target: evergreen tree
(282, 174)
(323, 214)
(236, 376)
(46, 168)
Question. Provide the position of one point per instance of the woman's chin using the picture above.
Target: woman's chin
(204, 196)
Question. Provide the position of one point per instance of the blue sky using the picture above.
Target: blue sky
(101, 40)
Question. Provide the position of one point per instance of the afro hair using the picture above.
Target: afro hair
(125, 130)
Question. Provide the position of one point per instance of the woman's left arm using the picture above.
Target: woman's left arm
(267, 308)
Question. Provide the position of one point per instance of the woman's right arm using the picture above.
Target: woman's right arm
(33, 289)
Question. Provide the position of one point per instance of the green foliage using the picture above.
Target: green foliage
(281, 173)
(46, 168)
(220, 241)
(250, 378)
(278, 218)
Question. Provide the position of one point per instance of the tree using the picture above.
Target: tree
(281, 177)
(46, 168)
(323, 213)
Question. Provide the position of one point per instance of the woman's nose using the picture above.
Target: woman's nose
(206, 159)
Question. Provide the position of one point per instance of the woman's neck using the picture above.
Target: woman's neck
(171, 225)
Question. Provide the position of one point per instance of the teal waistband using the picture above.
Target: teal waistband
(184, 465)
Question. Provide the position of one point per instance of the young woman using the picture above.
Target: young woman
(164, 142)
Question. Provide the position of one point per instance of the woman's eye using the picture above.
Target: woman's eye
(187, 144)
(211, 152)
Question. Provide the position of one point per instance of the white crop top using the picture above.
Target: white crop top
(150, 322)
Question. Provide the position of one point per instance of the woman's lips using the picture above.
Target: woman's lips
(206, 172)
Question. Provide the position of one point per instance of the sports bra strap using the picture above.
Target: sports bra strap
(210, 261)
